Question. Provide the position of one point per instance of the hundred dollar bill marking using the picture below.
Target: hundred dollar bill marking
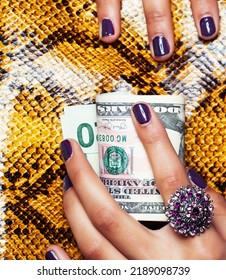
(124, 166)
(79, 122)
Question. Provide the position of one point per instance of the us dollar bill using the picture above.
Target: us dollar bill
(79, 122)
(122, 162)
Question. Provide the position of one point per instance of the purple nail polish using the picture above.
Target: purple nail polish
(66, 149)
(207, 26)
(160, 46)
(107, 28)
(196, 179)
(67, 184)
(142, 113)
(51, 256)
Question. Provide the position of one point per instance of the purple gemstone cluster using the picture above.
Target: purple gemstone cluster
(189, 210)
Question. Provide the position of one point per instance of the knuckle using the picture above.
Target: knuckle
(78, 173)
(106, 219)
(155, 16)
(171, 181)
(152, 136)
(93, 250)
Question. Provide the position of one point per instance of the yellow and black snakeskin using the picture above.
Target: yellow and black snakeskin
(51, 57)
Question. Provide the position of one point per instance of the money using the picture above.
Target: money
(79, 122)
(123, 165)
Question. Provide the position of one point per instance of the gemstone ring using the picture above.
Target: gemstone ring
(189, 211)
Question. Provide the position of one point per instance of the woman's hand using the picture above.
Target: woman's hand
(104, 231)
(159, 23)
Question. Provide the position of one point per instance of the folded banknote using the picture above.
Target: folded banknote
(106, 133)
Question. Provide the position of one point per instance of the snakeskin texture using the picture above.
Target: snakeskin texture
(51, 57)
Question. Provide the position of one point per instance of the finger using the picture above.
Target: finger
(91, 243)
(219, 217)
(54, 252)
(119, 228)
(169, 172)
(159, 28)
(172, 245)
(109, 19)
(206, 17)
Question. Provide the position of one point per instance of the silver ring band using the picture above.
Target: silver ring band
(189, 211)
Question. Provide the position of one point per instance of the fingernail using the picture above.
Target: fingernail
(67, 184)
(142, 113)
(196, 179)
(107, 28)
(66, 149)
(50, 255)
(160, 46)
(207, 26)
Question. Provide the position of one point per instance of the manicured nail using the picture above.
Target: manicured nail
(142, 113)
(51, 256)
(107, 28)
(207, 26)
(160, 46)
(66, 149)
(67, 184)
(196, 179)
